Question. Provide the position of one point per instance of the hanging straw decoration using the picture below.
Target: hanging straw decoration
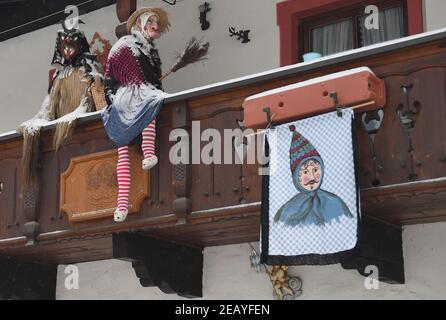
(195, 51)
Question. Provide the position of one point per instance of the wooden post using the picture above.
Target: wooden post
(31, 197)
(124, 9)
(181, 172)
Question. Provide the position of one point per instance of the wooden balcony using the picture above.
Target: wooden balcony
(207, 205)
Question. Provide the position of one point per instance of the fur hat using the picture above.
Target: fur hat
(162, 15)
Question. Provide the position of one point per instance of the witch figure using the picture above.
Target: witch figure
(134, 94)
(312, 205)
(134, 91)
(77, 73)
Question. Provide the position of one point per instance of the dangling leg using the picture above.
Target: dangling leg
(148, 146)
(124, 181)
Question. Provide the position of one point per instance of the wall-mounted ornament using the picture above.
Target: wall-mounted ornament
(100, 47)
(171, 2)
(408, 114)
(204, 9)
(371, 121)
(284, 286)
(241, 35)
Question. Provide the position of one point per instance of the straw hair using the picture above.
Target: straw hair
(163, 19)
(65, 98)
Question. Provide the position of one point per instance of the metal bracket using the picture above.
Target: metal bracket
(204, 9)
(269, 117)
(171, 2)
(172, 267)
(406, 88)
(334, 96)
(241, 35)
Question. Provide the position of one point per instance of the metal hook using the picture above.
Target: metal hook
(171, 2)
(405, 88)
(269, 117)
(334, 96)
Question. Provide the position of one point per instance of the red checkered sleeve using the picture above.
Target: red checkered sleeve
(123, 66)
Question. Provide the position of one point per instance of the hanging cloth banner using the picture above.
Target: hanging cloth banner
(310, 205)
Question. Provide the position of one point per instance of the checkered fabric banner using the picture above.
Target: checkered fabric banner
(311, 208)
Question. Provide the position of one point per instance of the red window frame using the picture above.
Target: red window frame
(290, 12)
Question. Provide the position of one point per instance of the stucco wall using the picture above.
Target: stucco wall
(434, 11)
(25, 60)
(227, 275)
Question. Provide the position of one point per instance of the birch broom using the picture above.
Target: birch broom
(193, 52)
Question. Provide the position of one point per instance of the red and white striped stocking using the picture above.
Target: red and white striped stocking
(123, 168)
(124, 178)
(148, 140)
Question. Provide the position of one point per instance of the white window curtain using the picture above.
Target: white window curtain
(391, 26)
(332, 38)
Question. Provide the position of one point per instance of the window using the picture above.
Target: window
(330, 26)
(331, 34)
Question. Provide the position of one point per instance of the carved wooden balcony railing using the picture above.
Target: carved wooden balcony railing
(206, 205)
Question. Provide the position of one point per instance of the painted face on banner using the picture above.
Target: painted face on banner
(310, 175)
(152, 27)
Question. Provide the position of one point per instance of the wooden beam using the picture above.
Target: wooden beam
(124, 9)
(172, 267)
(407, 203)
(380, 244)
(21, 280)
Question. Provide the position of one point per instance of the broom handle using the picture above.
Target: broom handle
(162, 77)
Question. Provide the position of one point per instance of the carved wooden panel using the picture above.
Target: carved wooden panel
(227, 177)
(217, 184)
(89, 187)
(411, 143)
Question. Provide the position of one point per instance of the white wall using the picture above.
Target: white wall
(228, 58)
(227, 275)
(434, 11)
(24, 60)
